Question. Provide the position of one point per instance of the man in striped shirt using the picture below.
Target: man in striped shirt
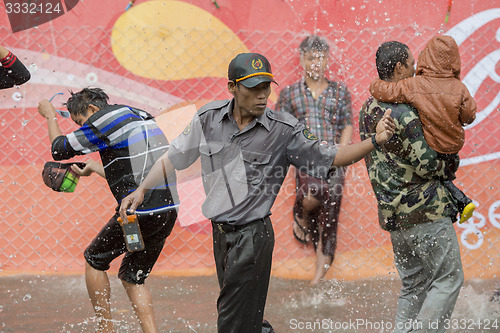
(129, 142)
(324, 106)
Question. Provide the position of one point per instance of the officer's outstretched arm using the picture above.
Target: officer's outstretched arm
(350, 154)
(157, 175)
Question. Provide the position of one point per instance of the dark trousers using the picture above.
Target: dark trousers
(452, 162)
(243, 259)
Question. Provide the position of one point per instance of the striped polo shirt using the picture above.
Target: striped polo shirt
(129, 142)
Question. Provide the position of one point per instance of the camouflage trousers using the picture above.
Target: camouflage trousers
(427, 258)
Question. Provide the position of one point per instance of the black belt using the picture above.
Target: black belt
(226, 227)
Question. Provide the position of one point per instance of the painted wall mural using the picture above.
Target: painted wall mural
(171, 57)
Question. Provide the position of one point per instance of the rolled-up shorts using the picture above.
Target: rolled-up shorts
(323, 222)
(136, 266)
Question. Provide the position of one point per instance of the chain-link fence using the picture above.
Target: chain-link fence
(158, 68)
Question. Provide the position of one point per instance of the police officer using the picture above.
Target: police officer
(245, 150)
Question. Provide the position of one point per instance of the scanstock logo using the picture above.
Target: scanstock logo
(26, 14)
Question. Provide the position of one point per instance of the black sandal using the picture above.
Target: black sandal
(305, 232)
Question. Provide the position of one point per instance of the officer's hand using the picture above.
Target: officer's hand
(131, 202)
(385, 128)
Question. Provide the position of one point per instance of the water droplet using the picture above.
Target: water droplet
(91, 78)
(24, 123)
(27, 297)
(17, 96)
(33, 68)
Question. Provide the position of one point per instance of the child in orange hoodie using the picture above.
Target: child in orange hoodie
(443, 102)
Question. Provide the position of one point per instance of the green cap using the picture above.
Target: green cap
(250, 69)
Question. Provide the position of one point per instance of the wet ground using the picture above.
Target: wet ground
(30, 303)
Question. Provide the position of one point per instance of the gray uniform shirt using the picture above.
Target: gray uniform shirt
(242, 171)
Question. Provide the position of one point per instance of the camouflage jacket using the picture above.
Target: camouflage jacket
(405, 173)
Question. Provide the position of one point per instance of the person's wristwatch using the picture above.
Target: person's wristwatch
(375, 143)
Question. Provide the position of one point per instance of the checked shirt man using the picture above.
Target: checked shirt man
(324, 106)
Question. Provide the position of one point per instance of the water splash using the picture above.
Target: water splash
(477, 305)
(327, 294)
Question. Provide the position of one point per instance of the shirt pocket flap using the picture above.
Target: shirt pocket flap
(211, 148)
(254, 157)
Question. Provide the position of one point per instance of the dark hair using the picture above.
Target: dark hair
(388, 55)
(314, 42)
(80, 101)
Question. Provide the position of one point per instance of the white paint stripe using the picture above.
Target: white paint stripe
(479, 159)
(57, 71)
(467, 27)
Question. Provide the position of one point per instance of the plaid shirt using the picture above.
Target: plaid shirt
(327, 116)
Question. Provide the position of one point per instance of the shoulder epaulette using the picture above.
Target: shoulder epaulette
(282, 117)
(213, 105)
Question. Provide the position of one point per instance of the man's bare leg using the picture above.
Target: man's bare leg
(142, 302)
(323, 263)
(309, 204)
(99, 292)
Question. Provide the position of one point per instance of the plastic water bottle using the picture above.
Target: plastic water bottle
(132, 233)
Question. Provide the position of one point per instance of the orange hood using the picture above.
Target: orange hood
(440, 58)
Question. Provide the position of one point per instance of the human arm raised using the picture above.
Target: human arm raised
(47, 110)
